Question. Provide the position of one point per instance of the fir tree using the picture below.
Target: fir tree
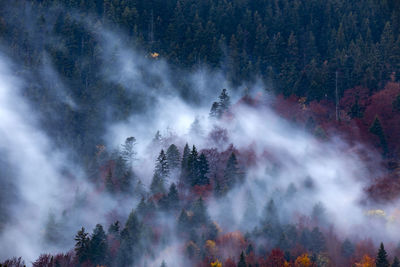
(98, 245)
(381, 258)
(173, 157)
(82, 245)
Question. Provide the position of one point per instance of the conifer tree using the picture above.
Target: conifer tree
(377, 129)
(381, 258)
(396, 262)
(242, 260)
(98, 245)
(173, 157)
(82, 245)
(203, 168)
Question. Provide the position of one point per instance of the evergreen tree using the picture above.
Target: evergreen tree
(396, 262)
(114, 229)
(173, 157)
(232, 173)
(185, 164)
(127, 151)
(82, 245)
(173, 197)
(381, 258)
(199, 210)
(224, 102)
(98, 245)
(193, 166)
(162, 167)
(242, 261)
(376, 128)
(347, 248)
(203, 168)
(130, 241)
(214, 111)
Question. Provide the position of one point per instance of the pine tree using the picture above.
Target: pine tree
(82, 245)
(242, 261)
(381, 259)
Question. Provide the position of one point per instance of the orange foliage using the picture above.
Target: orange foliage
(366, 261)
(216, 263)
(303, 261)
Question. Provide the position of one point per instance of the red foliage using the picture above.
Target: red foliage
(276, 258)
(229, 263)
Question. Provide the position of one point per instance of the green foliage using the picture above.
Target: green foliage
(82, 245)
(376, 128)
(98, 246)
(173, 157)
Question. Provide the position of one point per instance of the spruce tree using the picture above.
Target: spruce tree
(381, 258)
(82, 245)
(98, 245)
(173, 157)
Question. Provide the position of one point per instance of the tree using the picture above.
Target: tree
(396, 262)
(185, 164)
(214, 111)
(161, 173)
(242, 260)
(130, 241)
(202, 178)
(224, 102)
(347, 248)
(162, 167)
(173, 157)
(376, 128)
(82, 245)
(127, 152)
(173, 197)
(199, 210)
(98, 245)
(381, 259)
(192, 164)
(232, 172)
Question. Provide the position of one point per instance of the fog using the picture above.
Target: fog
(289, 165)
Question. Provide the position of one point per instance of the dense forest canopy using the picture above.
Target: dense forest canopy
(199, 133)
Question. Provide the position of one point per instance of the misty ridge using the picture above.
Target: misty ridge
(189, 133)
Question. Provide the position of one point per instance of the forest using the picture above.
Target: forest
(199, 133)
